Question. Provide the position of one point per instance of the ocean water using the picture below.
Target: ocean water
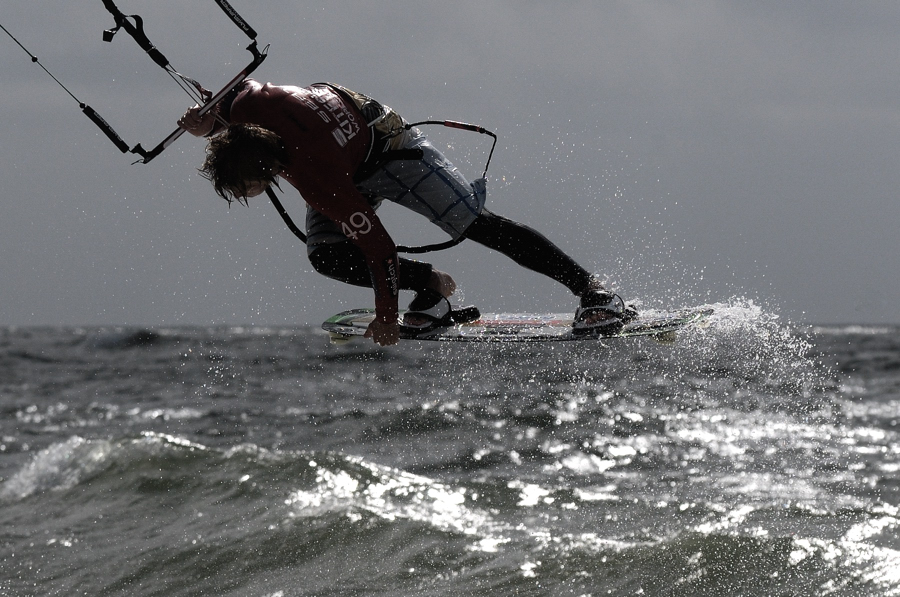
(753, 457)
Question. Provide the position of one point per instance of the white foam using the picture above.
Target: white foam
(58, 467)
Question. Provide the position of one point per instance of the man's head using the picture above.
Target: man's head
(242, 161)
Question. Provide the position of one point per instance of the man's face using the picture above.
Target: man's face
(253, 189)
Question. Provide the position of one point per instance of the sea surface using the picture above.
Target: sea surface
(753, 457)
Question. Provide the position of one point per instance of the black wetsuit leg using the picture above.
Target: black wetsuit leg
(345, 262)
(530, 249)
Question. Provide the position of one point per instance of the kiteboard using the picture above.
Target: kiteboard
(525, 327)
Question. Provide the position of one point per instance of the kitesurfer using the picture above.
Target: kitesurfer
(345, 153)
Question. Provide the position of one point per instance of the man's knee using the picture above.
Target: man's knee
(339, 261)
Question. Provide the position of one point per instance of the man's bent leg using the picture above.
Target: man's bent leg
(345, 262)
(530, 249)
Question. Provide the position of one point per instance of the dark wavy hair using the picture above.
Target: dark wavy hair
(241, 155)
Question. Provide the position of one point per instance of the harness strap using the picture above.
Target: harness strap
(289, 222)
(284, 214)
(411, 153)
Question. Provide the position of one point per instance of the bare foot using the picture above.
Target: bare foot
(442, 282)
(414, 320)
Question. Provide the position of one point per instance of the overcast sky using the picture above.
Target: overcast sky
(689, 151)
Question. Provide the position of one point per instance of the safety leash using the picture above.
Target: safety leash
(466, 127)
